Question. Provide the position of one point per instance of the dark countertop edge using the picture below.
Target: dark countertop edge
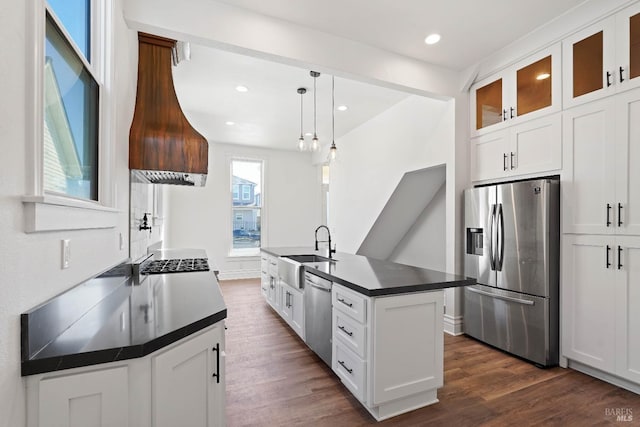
(392, 291)
(78, 360)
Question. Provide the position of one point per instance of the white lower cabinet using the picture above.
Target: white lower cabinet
(388, 350)
(292, 308)
(97, 398)
(601, 303)
(183, 385)
(187, 385)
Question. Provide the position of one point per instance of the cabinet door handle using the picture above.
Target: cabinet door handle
(504, 161)
(348, 304)
(620, 257)
(345, 366)
(609, 79)
(608, 214)
(343, 329)
(621, 71)
(513, 110)
(511, 160)
(216, 374)
(608, 264)
(620, 215)
(504, 115)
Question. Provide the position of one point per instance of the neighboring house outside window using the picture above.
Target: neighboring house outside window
(246, 184)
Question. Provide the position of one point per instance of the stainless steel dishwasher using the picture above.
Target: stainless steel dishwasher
(317, 313)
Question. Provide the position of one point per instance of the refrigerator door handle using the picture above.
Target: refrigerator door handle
(492, 258)
(502, 297)
(500, 237)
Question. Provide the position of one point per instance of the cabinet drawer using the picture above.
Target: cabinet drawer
(351, 333)
(273, 267)
(350, 302)
(351, 370)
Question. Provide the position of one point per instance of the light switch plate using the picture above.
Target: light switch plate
(66, 253)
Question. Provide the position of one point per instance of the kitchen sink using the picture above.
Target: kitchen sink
(308, 258)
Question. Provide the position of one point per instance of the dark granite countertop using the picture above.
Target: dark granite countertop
(115, 317)
(374, 277)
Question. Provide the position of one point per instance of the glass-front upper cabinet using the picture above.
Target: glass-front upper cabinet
(525, 90)
(603, 58)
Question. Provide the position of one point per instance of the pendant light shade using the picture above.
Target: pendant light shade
(333, 150)
(302, 146)
(315, 142)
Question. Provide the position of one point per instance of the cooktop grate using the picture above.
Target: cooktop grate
(175, 266)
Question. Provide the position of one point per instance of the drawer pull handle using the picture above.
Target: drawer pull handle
(345, 367)
(619, 214)
(621, 76)
(343, 329)
(609, 79)
(348, 304)
(504, 161)
(608, 264)
(608, 213)
(620, 257)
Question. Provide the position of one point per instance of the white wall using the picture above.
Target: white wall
(30, 270)
(423, 245)
(414, 134)
(201, 217)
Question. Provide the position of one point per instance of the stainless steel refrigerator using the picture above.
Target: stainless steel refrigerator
(512, 249)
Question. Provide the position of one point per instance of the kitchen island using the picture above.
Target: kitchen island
(386, 323)
(126, 348)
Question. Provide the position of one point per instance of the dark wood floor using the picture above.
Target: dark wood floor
(273, 379)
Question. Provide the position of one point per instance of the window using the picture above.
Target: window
(71, 101)
(246, 177)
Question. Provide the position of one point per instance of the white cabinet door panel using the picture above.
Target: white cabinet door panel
(418, 367)
(488, 155)
(628, 312)
(588, 294)
(537, 146)
(627, 145)
(90, 399)
(589, 183)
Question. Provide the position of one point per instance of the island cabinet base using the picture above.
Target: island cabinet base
(388, 351)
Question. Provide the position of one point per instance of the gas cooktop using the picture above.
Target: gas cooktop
(175, 266)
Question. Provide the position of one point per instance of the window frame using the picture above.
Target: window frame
(246, 252)
(50, 211)
(246, 190)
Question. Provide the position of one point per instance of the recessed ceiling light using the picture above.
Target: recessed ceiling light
(308, 134)
(543, 76)
(343, 108)
(242, 89)
(432, 39)
(229, 123)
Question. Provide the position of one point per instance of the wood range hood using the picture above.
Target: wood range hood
(163, 146)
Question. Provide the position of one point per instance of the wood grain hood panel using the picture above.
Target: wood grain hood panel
(163, 146)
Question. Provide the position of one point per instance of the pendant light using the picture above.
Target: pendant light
(315, 142)
(302, 146)
(333, 150)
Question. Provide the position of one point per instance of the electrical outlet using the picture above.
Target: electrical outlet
(66, 253)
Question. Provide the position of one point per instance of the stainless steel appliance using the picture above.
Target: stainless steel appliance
(317, 313)
(512, 249)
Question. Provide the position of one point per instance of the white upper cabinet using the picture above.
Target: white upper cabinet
(602, 59)
(525, 90)
(601, 190)
(534, 146)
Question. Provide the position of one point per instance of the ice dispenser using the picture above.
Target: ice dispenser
(475, 241)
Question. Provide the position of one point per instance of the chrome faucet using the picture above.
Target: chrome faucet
(331, 250)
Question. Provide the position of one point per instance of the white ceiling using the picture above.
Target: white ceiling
(268, 115)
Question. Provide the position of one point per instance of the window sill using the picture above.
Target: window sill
(54, 213)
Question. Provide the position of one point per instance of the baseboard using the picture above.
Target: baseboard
(239, 274)
(453, 325)
(604, 376)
